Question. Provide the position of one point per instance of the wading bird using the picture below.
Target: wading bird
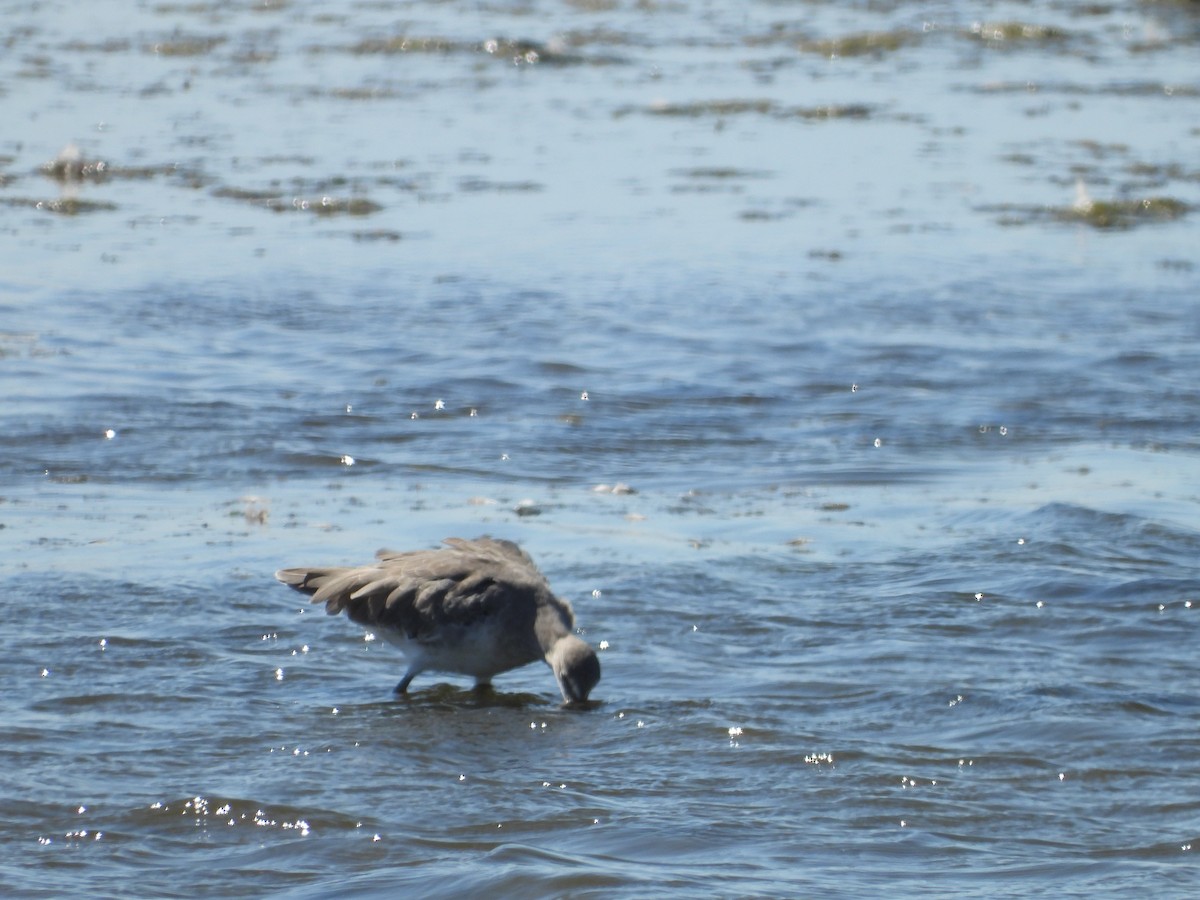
(476, 608)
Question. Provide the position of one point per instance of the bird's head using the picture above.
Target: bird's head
(576, 668)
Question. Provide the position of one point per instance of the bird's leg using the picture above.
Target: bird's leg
(402, 687)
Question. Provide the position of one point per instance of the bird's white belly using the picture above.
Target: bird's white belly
(479, 650)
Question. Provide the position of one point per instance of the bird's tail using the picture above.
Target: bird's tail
(309, 581)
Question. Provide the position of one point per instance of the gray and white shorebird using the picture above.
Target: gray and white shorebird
(477, 607)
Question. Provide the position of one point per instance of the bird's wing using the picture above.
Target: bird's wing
(424, 592)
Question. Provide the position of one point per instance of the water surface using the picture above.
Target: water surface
(883, 318)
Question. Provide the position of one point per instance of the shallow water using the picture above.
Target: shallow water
(886, 317)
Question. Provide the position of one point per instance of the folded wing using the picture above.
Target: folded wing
(421, 593)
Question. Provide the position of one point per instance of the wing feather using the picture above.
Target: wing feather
(423, 591)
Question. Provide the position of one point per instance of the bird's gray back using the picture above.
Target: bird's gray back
(425, 593)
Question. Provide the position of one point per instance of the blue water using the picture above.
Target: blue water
(902, 597)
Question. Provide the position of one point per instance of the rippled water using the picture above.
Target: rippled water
(883, 318)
